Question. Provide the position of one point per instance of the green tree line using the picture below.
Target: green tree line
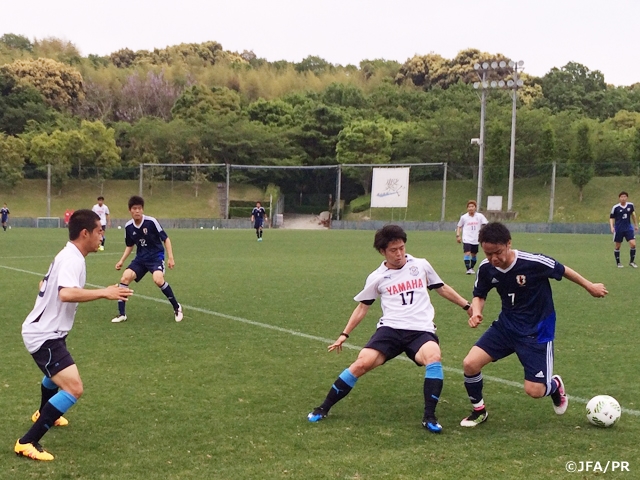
(101, 116)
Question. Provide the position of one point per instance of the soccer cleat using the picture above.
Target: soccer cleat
(32, 450)
(178, 313)
(633, 265)
(318, 414)
(560, 399)
(431, 424)
(101, 248)
(620, 265)
(476, 418)
(260, 239)
(60, 422)
(470, 271)
(119, 319)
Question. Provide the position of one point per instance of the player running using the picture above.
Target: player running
(624, 224)
(151, 241)
(469, 226)
(526, 324)
(45, 330)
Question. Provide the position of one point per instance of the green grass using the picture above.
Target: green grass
(225, 393)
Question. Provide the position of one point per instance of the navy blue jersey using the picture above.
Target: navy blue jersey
(5, 213)
(148, 236)
(622, 216)
(258, 213)
(527, 301)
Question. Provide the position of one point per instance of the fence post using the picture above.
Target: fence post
(553, 192)
(140, 183)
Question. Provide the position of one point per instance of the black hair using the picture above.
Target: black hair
(388, 234)
(83, 219)
(494, 232)
(623, 193)
(136, 200)
(100, 197)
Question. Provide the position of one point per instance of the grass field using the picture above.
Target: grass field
(225, 393)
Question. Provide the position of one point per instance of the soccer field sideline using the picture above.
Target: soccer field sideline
(304, 335)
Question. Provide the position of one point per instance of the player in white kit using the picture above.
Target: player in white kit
(45, 329)
(103, 212)
(406, 324)
(467, 233)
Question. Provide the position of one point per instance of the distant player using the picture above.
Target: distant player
(151, 241)
(258, 215)
(45, 329)
(402, 283)
(4, 212)
(469, 226)
(103, 212)
(526, 323)
(624, 224)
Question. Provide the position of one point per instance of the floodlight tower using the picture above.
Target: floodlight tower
(513, 83)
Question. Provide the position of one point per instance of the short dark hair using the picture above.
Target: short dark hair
(388, 234)
(83, 219)
(623, 193)
(472, 202)
(100, 197)
(494, 232)
(136, 200)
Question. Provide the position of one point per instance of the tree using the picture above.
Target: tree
(635, 158)
(19, 103)
(45, 149)
(59, 84)
(363, 142)
(315, 65)
(198, 102)
(496, 156)
(581, 168)
(547, 151)
(17, 42)
(146, 96)
(12, 154)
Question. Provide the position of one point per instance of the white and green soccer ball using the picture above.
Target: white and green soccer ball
(603, 411)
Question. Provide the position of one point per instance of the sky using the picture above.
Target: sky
(602, 35)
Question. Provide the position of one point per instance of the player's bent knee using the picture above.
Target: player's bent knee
(535, 390)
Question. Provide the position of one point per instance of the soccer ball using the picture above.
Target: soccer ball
(119, 227)
(603, 411)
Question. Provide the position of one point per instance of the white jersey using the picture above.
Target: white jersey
(405, 301)
(102, 212)
(51, 318)
(471, 227)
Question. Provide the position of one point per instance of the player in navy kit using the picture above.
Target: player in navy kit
(526, 323)
(4, 212)
(258, 215)
(45, 329)
(402, 283)
(151, 241)
(624, 224)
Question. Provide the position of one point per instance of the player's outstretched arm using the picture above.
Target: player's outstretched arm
(78, 295)
(597, 290)
(127, 252)
(354, 320)
(450, 294)
(477, 306)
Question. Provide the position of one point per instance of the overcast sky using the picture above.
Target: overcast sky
(603, 35)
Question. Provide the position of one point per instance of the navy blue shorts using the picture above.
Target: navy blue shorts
(536, 358)
(53, 357)
(391, 342)
(627, 235)
(470, 247)
(141, 267)
(258, 224)
(104, 227)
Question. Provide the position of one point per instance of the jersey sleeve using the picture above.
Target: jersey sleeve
(483, 219)
(461, 222)
(370, 290)
(557, 271)
(482, 285)
(70, 274)
(106, 210)
(433, 279)
(129, 241)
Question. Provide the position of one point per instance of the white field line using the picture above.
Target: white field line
(326, 341)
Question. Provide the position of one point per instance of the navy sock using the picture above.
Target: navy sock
(473, 261)
(166, 289)
(121, 302)
(474, 385)
(48, 389)
(616, 253)
(433, 382)
(340, 389)
(633, 255)
(53, 409)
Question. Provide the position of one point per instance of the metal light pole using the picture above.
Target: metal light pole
(480, 141)
(514, 83)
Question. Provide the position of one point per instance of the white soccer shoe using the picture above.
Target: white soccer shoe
(178, 313)
(119, 319)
